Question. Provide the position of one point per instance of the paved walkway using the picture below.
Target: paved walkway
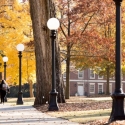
(27, 115)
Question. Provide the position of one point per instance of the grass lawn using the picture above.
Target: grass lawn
(83, 116)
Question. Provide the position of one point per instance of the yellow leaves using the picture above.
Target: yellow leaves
(15, 28)
(20, 7)
(17, 6)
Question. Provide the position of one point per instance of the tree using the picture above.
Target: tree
(75, 17)
(40, 13)
(100, 49)
(15, 27)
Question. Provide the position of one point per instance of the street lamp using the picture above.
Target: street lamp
(5, 59)
(20, 48)
(53, 25)
(118, 95)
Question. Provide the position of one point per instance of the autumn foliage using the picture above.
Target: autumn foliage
(15, 28)
(88, 31)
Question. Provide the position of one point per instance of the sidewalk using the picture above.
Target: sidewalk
(27, 115)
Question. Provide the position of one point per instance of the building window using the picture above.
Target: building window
(112, 77)
(80, 74)
(100, 77)
(92, 74)
(110, 88)
(100, 88)
(92, 88)
(64, 75)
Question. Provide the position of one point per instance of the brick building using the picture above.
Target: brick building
(86, 82)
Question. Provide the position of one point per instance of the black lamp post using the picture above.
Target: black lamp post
(20, 48)
(53, 25)
(5, 59)
(118, 95)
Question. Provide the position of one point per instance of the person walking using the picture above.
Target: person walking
(4, 88)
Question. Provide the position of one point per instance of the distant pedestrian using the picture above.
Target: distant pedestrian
(4, 88)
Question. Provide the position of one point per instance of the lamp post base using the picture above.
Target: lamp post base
(19, 100)
(53, 106)
(117, 107)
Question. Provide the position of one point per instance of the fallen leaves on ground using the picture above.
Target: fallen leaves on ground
(78, 106)
(83, 105)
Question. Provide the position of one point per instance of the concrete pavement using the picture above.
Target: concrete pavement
(27, 115)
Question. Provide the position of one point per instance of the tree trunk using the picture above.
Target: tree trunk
(67, 91)
(107, 86)
(39, 15)
(59, 78)
(41, 11)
